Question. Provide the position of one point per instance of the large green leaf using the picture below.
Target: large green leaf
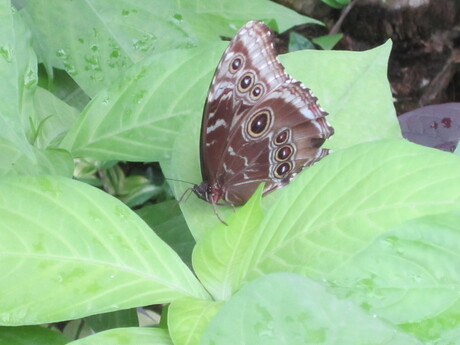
(69, 250)
(353, 88)
(31, 335)
(210, 19)
(410, 276)
(285, 308)
(339, 206)
(18, 75)
(95, 40)
(169, 224)
(139, 116)
(330, 216)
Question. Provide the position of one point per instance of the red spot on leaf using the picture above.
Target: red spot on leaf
(436, 126)
(447, 122)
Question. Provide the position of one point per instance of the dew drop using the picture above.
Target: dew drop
(61, 53)
(145, 43)
(65, 58)
(139, 96)
(115, 53)
(30, 79)
(97, 77)
(5, 318)
(416, 278)
(93, 63)
(6, 53)
(105, 101)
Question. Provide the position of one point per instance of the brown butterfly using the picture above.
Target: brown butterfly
(259, 124)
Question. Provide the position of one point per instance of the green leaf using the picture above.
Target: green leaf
(18, 74)
(127, 336)
(63, 87)
(49, 161)
(95, 41)
(327, 42)
(284, 308)
(409, 276)
(188, 317)
(359, 101)
(299, 42)
(336, 208)
(133, 190)
(138, 190)
(88, 251)
(139, 116)
(331, 213)
(31, 335)
(218, 258)
(20, 125)
(336, 3)
(116, 319)
(210, 19)
(168, 223)
(52, 119)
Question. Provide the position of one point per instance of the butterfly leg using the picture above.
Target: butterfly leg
(217, 213)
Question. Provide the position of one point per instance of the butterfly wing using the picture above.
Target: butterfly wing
(249, 54)
(291, 141)
(259, 125)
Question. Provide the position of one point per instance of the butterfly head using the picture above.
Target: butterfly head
(207, 192)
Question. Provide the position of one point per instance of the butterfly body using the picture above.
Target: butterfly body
(259, 124)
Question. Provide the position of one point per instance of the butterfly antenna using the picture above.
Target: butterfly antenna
(177, 180)
(184, 194)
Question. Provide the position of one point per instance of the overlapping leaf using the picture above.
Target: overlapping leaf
(324, 225)
(288, 309)
(139, 117)
(189, 317)
(69, 250)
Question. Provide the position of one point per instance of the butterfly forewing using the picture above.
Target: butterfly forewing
(259, 125)
(226, 104)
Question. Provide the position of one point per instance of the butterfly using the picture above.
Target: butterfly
(259, 124)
